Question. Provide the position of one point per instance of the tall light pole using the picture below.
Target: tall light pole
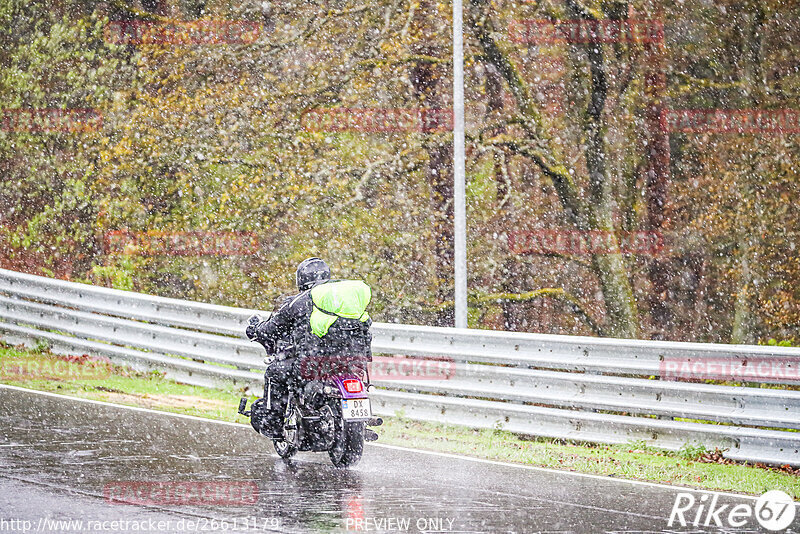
(459, 170)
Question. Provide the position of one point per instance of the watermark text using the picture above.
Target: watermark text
(584, 243)
(33, 120)
(193, 32)
(749, 370)
(194, 243)
(579, 31)
(380, 368)
(55, 368)
(743, 121)
(774, 510)
(378, 120)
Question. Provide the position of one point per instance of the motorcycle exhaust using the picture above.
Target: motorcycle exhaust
(370, 435)
(375, 421)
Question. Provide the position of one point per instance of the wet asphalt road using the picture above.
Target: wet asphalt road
(62, 460)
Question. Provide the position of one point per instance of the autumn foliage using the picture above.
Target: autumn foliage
(323, 128)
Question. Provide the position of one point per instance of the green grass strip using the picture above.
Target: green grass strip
(635, 461)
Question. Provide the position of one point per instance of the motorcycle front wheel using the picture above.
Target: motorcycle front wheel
(287, 447)
(284, 449)
(348, 444)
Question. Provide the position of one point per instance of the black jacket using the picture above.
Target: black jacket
(291, 324)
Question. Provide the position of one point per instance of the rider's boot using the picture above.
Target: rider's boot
(273, 425)
(264, 421)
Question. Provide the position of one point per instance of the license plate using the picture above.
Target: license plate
(356, 409)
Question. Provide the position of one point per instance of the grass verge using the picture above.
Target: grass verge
(693, 466)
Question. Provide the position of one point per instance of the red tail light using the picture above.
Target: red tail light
(352, 386)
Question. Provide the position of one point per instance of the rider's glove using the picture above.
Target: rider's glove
(251, 330)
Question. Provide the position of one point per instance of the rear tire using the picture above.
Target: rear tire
(349, 443)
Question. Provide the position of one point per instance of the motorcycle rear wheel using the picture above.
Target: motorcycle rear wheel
(349, 443)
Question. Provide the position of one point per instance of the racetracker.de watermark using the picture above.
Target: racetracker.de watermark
(742, 121)
(55, 368)
(579, 31)
(585, 243)
(192, 492)
(35, 120)
(765, 369)
(380, 368)
(378, 120)
(182, 33)
(199, 524)
(404, 368)
(194, 243)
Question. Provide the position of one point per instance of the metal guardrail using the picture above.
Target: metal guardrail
(589, 389)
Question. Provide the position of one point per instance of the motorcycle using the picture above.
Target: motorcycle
(329, 413)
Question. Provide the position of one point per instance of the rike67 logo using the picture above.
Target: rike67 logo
(774, 510)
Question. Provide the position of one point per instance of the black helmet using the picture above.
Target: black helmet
(310, 272)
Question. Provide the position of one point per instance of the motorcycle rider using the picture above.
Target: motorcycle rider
(313, 333)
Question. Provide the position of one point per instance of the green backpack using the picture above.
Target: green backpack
(346, 299)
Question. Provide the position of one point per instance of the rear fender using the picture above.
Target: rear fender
(340, 383)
